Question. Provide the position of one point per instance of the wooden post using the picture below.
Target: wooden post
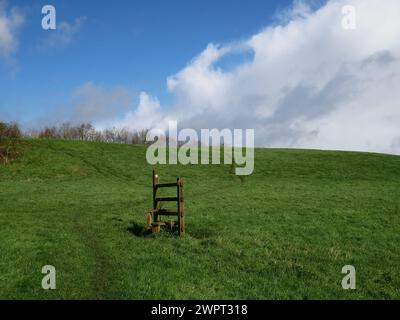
(155, 228)
(181, 215)
(148, 219)
(182, 208)
(155, 203)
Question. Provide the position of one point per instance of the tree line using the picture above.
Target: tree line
(87, 132)
(11, 136)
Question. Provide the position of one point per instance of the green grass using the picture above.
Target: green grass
(284, 232)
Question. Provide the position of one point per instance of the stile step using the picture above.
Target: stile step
(167, 199)
(166, 185)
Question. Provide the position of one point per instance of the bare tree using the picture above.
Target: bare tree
(87, 132)
(10, 141)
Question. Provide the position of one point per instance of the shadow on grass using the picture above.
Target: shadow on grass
(138, 230)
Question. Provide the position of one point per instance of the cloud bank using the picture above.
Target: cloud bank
(304, 83)
(10, 22)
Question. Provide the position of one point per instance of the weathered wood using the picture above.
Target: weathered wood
(166, 185)
(181, 216)
(148, 219)
(167, 199)
(156, 226)
(158, 212)
(155, 204)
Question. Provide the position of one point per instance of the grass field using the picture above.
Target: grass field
(284, 232)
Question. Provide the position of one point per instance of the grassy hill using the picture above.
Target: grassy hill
(284, 232)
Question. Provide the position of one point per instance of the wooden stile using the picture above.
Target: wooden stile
(159, 212)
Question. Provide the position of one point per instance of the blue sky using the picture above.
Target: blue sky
(321, 74)
(136, 44)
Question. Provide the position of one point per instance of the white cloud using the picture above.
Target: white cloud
(10, 22)
(299, 9)
(63, 35)
(310, 83)
(146, 115)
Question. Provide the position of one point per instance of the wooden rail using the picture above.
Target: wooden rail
(158, 200)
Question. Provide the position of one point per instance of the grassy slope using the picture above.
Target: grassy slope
(285, 232)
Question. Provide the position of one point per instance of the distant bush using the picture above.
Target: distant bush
(10, 142)
(87, 132)
(48, 133)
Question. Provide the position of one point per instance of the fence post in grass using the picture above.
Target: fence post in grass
(181, 214)
(155, 203)
(148, 219)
